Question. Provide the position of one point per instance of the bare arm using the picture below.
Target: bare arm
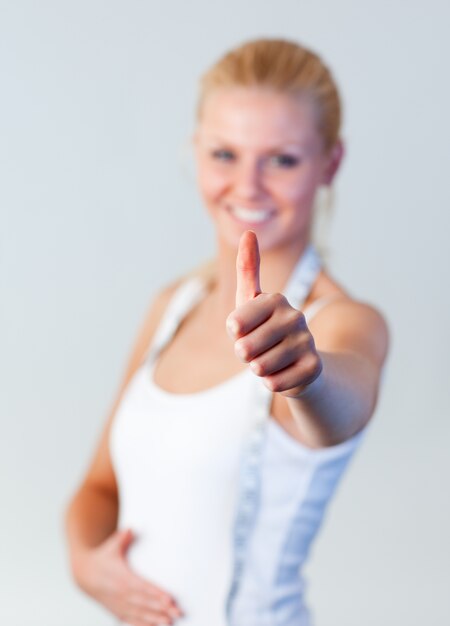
(329, 374)
(352, 344)
(97, 549)
(91, 515)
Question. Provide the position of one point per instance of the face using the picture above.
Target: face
(260, 161)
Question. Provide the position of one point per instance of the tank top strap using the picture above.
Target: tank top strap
(312, 309)
(185, 297)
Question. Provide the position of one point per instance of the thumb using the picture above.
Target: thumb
(123, 539)
(247, 268)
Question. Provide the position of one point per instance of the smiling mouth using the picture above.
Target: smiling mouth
(251, 216)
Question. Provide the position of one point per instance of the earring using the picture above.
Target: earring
(322, 214)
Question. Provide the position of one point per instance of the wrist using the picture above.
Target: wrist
(81, 566)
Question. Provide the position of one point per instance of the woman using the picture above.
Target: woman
(250, 383)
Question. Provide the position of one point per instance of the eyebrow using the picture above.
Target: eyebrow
(274, 148)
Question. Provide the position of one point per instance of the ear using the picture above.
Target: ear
(334, 159)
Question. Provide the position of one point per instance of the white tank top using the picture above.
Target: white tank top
(223, 501)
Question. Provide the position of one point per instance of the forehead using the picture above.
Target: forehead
(255, 117)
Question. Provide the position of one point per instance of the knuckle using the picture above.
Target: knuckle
(297, 318)
(276, 299)
(319, 364)
(312, 363)
(292, 320)
(304, 338)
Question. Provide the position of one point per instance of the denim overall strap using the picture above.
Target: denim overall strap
(296, 291)
(303, 277)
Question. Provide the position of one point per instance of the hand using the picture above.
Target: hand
(104, 574)
(268, 333)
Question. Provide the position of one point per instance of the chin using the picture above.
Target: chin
(281, 230)
(268, 239)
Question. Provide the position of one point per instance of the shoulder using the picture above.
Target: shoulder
(150, 320)
(159, 302)
(156, 308)
(101, 472)
(161, 298)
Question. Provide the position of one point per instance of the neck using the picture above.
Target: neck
(276, 267)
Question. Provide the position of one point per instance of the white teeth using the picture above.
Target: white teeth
(251, 215)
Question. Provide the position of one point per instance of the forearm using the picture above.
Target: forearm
(90, 518)
(339, 402)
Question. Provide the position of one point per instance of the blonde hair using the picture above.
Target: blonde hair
(283, 66)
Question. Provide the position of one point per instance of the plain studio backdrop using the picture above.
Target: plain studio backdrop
(99, 209)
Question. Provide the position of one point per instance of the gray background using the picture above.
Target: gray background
(97, 194)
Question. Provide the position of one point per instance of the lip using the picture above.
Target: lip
(247, 220)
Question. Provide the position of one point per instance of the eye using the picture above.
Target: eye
(222, 155)
(284, 160)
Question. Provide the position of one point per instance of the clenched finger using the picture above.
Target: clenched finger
(144, 602)
(152, 591)
(277, 358)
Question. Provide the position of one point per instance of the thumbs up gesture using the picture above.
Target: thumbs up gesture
(267, 332)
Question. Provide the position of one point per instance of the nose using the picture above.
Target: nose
(248, 181)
